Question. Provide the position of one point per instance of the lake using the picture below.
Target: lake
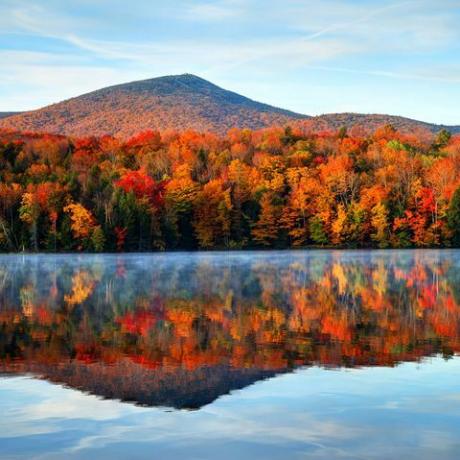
(250, 355)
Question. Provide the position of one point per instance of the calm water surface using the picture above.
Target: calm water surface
(249, 355)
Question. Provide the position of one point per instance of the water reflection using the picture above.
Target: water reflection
(180, 330)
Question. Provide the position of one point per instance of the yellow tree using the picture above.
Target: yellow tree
(380, 225)
(29, 212)
(339, 225)
(84, 226)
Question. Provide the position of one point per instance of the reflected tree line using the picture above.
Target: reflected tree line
(131, 322)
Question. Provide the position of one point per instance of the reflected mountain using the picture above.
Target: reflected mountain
(180, 330)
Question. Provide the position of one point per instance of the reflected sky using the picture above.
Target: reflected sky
(293, 354)
(312, 413)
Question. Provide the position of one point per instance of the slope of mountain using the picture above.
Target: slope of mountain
(131, 382)
(182, 102)
(370, 122)
(173, 102)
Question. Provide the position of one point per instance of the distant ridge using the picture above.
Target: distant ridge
(370, 122)
(180, 102)
(8, 114)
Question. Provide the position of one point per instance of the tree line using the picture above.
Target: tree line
(272, 188)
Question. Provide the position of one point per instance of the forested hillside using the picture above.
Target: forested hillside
(182, 102)
(177, 102)
(368, 123)
(273, 188)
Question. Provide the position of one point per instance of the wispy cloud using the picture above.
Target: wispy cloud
(230, 41)
(451, 76)
(349, 25)
(293, 414)
(411, 24)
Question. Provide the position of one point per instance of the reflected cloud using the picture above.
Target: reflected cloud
(181, 330)
(306, 413)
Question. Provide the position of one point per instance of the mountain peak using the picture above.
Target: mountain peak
(183, 78)
(167, 84)
(179, 102)
(175, 102)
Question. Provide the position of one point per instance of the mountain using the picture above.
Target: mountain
(173, 102)
(182, 102)
(370, 122)
(127, 381)
(8, 114)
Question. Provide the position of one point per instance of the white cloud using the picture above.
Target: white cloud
(213, 11)
(42, 78)
(444, 76)
(398, 25)
(36, 79)
(312, 410)
(233, 42)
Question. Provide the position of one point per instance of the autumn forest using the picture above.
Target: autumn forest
(279, 187)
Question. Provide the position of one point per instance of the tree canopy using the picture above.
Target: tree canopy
(278, 187)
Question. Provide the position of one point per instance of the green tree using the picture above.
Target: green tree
(317, 233)
(98, 239)
(453, 218)
(442, 139)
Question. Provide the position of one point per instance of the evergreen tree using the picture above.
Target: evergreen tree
(453, 218)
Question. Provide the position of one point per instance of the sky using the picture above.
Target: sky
(311, 56)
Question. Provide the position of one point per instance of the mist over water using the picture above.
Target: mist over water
(280, 354)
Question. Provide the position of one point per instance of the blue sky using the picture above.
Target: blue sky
(311, 56)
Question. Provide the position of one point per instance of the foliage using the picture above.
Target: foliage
(273, 188)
